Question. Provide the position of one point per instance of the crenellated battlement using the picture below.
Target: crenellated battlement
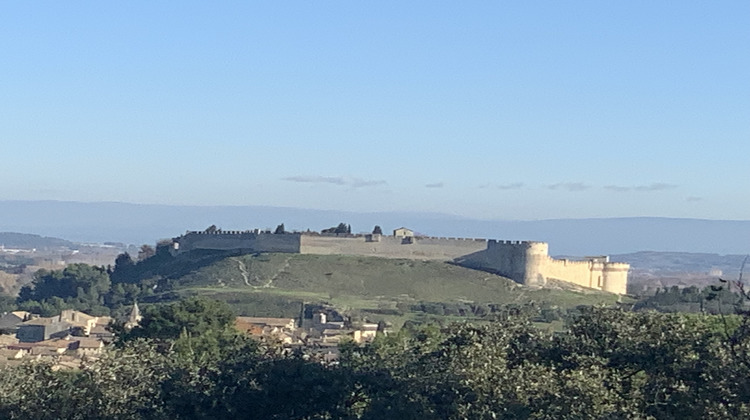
(249, 241)
(526, 262)
(223, 232)
(494, 242)
(613, 266)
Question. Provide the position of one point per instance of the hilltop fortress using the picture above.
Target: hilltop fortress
(525, 262)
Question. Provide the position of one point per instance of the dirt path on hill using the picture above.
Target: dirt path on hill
(278, 273)
(243, 272)
(246, 274)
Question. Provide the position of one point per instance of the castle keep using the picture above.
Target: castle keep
(525, 262)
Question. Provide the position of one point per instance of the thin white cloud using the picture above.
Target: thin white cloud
(335, 180)
(509, 186)
(357, 183)
(617, 188)
(569, 186)
(316, 179)
(656, 186)
(693, 198)
(435, 185)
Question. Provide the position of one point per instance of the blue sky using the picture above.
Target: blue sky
(494, 110)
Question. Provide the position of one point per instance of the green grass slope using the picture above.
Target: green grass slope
(276, 284)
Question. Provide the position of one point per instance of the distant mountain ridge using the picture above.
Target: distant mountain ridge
(146, 223)
(683, 262)
(15, 240)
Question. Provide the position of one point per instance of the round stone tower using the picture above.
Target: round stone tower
(615, 278)
(536, 257)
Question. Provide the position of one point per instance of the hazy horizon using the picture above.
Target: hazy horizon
(331, 209)
(138, 224)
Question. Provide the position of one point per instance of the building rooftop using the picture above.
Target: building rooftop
(42, 321)
(22, 346)
(56, 343)
(86, 343)
(271, 322)
(76, 317)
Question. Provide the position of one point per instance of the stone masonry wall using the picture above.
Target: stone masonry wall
(231, 240)
(444, 249)
(582, 273)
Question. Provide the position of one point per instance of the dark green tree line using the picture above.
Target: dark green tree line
(609, 364)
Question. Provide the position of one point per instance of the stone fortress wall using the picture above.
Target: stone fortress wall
(529, 263)
(249, 241)
(421, 248)
(525, 262)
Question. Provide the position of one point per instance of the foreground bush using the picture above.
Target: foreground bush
(608, 365)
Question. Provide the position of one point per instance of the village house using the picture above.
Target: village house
(41, 329)
(53, 337)
(67, 322)
(365, 333)
(54, 347)
(330, 336)
(321, 322)
(403, 232)
(72, 346)
(101, 332)
(85, 347)
(10, 321)
(281, 329)
(278, 324)
(81, 320)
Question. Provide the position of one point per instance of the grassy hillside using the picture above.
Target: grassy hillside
(276, 284)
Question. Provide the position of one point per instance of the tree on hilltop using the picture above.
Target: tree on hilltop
(279, 229)
(341, 228)
(123, 270)
(78, 286)
(74, 280)
(146, 251)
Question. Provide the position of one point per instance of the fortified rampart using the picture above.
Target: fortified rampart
(517, 260)
(525, 262)
(248, 241)
(422, 248)
(529, 263)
